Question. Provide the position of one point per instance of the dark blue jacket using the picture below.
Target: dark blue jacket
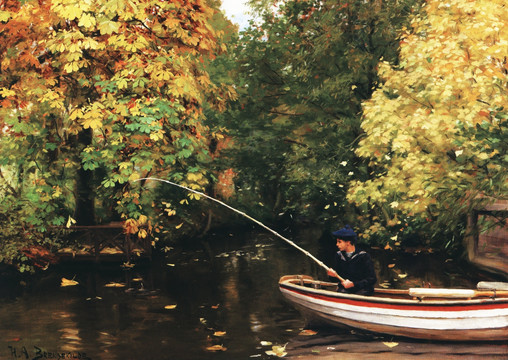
(358, 268)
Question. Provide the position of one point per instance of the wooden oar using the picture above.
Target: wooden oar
(455, 293)
(492, 285)
(319, 262)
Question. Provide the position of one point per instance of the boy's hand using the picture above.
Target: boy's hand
(347, 284)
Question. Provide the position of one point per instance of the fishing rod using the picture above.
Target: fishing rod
(319, 262)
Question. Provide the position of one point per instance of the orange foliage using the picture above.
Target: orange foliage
(226, 186)
(39, 256)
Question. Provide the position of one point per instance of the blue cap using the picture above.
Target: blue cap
(345, 233)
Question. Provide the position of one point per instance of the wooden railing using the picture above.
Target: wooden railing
(105, 242)
(489, 250)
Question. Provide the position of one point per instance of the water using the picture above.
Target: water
(216, 298)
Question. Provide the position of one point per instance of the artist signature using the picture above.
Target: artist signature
(39, 353)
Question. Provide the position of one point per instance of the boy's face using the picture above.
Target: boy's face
(341, 244)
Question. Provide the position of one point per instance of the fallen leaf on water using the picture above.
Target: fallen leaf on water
(111, 251)
(266, 343)
(391, 266)
(279, 351)
(216, 348)
(219, 333)
(172, 265)
(391, 344)
(308, 333)
(67, 282)
(215, 307)
(402, 276)
(115, 285)
(170, 307)
(178, 226)
(137, 279)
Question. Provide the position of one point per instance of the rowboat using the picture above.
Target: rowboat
(419, 313)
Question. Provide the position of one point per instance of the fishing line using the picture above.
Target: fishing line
(319, 262)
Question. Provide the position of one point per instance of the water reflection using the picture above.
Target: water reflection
(220, 291)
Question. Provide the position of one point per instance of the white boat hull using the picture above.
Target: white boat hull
(483, 319)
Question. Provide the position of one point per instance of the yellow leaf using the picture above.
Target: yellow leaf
(70, 222)
(279, 351)
(6, 92)
(219, 333)
(87, 21)
(308, 333)
(134, 176)
(122, 83)
(216, 348)
(124, 165)
(67, 282)
(92, 123)
(391, 344)
(158, 135)
(142, 234)
(170, 307)
(4, 16)
(142, 220)
(108, 27)
(115, 285)
(77, 113)
(57, 192)
(391, 266)
(178, 226)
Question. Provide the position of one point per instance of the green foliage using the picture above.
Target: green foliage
(302, 76)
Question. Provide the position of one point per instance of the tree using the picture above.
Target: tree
(435, 131)
(97, 94)
(303, 74)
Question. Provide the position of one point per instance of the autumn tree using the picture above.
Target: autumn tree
(436, 130)
(96, 95)
(303, 72)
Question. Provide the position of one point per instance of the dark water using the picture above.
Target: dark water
(226, 294)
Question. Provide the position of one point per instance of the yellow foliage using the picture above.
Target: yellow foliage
(452, 72)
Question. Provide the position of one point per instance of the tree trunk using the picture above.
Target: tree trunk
(84, 213)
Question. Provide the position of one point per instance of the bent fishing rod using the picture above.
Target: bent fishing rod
(319, 262)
